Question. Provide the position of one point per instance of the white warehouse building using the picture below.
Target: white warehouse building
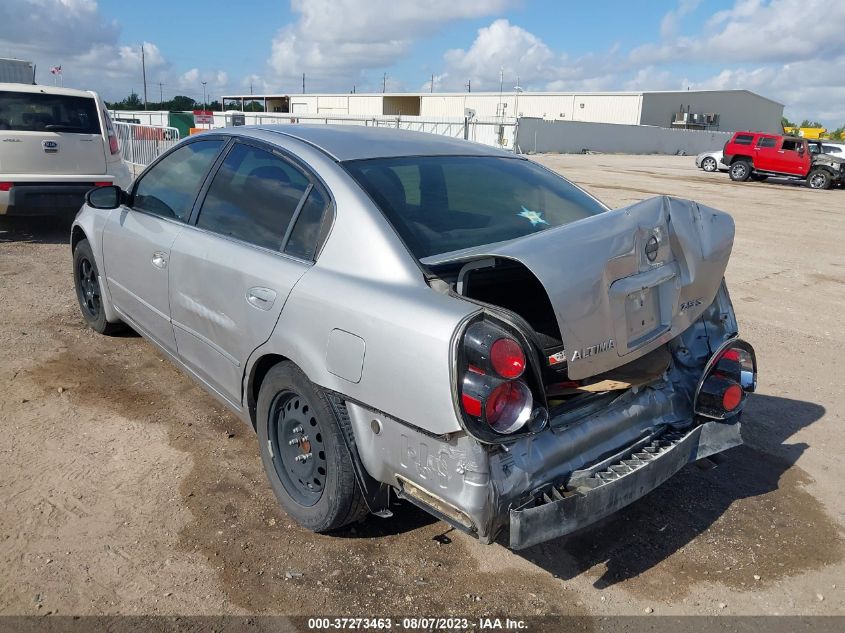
(723, 110)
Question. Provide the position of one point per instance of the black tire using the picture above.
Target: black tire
(819, 178)
(86, 281)
(709, 164)
(740, 170)
(320, 492)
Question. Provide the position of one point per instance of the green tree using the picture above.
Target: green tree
(808, 123)
(786, 122)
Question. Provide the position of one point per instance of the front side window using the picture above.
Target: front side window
(253, 197)
(170, 187)
(440, 204)
(40, 112)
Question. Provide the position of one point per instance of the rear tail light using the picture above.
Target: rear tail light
(507, 358)
(729, 375)
(114, 147)
(6, 186)
(103, 183)
(508, 407)
(496, 398)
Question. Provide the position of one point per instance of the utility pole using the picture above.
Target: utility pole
(384, 83)
(160, 93)
(469, 85)
(432, 83)
(250, 88)
(303, 83)
(144, 73)
(203, 95)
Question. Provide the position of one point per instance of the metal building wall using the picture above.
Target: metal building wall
(737, 109)
(365, 105)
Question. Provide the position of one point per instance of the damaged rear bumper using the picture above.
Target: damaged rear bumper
(613, 484)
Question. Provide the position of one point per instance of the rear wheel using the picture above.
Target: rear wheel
(740, 171)
(86, 280)
(304, 454)
(709, 164)
(819, 179)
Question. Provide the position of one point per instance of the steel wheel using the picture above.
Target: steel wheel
(709, 164)
(88, 288)
(296, 439)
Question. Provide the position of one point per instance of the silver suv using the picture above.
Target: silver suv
(55, 144)
(402, 314)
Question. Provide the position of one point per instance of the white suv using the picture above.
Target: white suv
(55, 145)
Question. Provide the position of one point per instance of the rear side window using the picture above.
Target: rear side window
(743, 139)
(170, 187)
(310, 228)
(253, 197)
(39, 112)
(767, 141)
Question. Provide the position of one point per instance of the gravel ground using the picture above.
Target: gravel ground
(127, 490)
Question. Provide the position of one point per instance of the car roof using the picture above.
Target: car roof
(50, 90)
(359, 142)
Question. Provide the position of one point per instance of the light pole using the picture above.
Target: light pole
(517, 90)
(203, 94)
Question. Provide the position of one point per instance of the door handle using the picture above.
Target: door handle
(160, 259)
(261, 298)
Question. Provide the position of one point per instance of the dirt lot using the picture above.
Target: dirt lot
(126, 489)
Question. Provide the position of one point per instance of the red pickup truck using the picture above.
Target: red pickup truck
(756, 156)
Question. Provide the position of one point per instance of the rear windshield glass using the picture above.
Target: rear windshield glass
(38, 112)
(440, 204)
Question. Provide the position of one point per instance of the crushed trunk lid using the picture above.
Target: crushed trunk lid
(625, 282)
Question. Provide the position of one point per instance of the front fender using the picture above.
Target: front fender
(89, 224)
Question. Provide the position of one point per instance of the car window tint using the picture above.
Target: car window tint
(767, 141)
(743, 139)
(306, 233)
(253, 197)
(440, 204)
(169, 188)
(41, 112)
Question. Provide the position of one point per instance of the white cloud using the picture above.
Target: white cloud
(76, 35)
(754, 31)
(335, 42)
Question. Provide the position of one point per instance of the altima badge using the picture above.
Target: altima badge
(593, 350)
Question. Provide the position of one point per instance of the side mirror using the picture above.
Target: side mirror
(108, 197)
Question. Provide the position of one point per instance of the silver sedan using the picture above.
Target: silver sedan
(406, 315)
(711, 161)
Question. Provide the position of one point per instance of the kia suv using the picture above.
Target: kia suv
(55, 144)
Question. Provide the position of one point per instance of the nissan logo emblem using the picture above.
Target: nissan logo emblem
(651, 248)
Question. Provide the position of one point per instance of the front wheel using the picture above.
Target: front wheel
(740, 171)
(86, 280)
(304, 454)
(709, 164)
(819, 179)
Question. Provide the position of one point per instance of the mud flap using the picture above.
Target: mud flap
(619, 484)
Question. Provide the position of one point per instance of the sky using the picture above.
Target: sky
(792, 51)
